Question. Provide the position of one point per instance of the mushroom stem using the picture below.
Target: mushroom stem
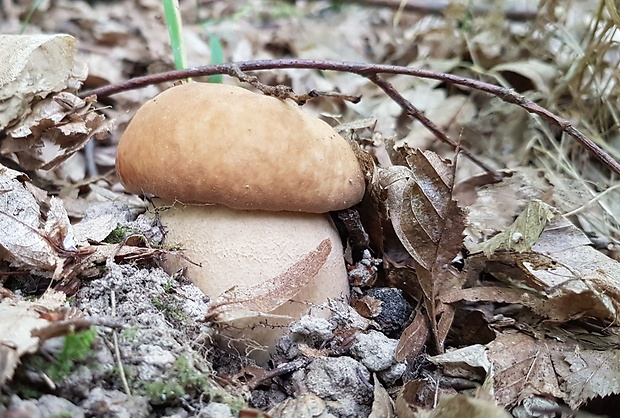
(248, 250)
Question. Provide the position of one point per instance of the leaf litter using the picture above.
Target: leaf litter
(526, 259)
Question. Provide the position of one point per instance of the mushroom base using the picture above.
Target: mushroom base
(247, 249)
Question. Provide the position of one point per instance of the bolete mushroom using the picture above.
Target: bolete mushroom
(248, 180)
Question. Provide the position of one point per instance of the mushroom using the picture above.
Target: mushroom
(246, 181)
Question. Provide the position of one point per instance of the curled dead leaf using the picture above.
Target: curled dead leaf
(43, 121)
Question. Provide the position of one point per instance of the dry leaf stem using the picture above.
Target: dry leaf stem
(366, 70)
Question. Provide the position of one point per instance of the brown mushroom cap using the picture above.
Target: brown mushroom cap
(219, 144)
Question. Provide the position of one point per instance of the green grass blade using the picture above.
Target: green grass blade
(34, 7)
(173, 21)
(217, 57)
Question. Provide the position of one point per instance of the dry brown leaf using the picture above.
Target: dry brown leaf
(374, 214)
(521, 367)
(448, 113)
(273, 293)
(466, 362)
(522, 234)
(459, 406)
(565, 276)
(586, 374)
(31, 67)
(305, 406)
(516, 366)
(20, 223)
(100, 219)
(99, 254)
(413, 394)
(43, 121)
(367, 306)
(53, 130)
(541, 75)
(489, 294)
(30, 243)
(19, 321)
(413, 338)
(595, 212)
(492, 206)
(57, 228)
(430, 226)
(382, 405)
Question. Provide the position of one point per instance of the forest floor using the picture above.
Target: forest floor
(486, 285)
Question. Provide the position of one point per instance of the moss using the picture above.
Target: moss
(118, 235)
(164, 393)
(130, 333)
(184, 379)
(236, 404)
(62, 415)
(171, 306)
(25, 390)
(75, 348)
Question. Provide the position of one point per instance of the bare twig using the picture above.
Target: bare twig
(439, 7)
(414, 112)
(117, 351)
(365, 70)
(280, 370)
(285, 92)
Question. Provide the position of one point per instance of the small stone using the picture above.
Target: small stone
(216, 410)
(155, 355)
(114, 403)
(46, 406)
(374, 350)
(341, 382)
(315, 328)
(390, 375)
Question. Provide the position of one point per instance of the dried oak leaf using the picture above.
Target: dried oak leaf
(413, 338)
(30, 242)
(522, 234)
(32, 67)
(54, 129)
(459, 406)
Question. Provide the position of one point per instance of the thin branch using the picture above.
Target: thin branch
(117, 351)
(414, 112)
(365, 70)
(282, 369)
(433, 7)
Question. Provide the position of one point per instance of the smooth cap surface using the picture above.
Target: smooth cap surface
(219, 144)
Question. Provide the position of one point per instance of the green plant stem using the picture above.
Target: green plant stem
(34, 7)
(175, 25)
(217, 57)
